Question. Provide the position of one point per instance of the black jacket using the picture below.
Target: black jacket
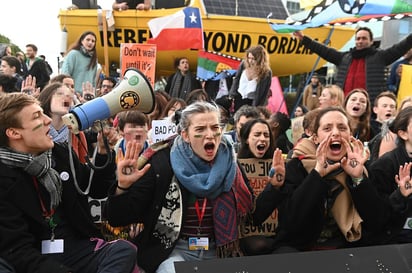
(39, 70)
(22, 225)
(397, 207)
(262, 89)
(375, 63)
(144, 202)
(301, 204)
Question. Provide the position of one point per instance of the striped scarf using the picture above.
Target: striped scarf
(39, 167)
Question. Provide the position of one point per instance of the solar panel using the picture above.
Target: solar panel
(247, 8)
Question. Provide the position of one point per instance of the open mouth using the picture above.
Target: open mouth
(209, 147)
(388, 115)
(261, 147)
(335, 146)
(138, 137)
(48, 134)
(66, 104)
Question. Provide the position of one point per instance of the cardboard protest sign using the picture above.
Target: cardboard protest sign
(257, 171)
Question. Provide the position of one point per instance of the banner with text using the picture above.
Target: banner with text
(139, 56)
(257, 171)
(162, 129)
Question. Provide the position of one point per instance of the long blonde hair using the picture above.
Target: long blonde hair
(336, 93)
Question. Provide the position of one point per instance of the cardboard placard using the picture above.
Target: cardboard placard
(257, 171)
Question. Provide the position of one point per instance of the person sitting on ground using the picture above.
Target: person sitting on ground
(330, 199)
(46, 225)
(391, 175)
(189, 185)
(256, 142)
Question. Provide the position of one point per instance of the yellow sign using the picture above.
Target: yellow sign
(230, 35)
(405, 86)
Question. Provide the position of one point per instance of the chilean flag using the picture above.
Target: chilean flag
(179, 31)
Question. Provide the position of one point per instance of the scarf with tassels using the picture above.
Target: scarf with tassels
(343, 210)
(39, 167)
(222, 183)
(181, 85)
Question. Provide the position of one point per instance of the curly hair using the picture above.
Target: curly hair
(262, 60)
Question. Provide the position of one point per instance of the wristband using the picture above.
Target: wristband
(357, 181)
(271, 172)
(123, 189)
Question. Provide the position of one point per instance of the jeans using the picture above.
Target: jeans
(182, 253)
(114, 257)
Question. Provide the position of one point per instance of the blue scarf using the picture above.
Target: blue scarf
(200, 177)
(60, 136)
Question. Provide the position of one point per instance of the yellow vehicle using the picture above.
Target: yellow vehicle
(226, 34)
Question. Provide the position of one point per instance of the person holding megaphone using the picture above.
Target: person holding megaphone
(56, 100)
(45, 224)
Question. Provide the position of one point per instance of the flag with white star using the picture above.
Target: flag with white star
(178, 31)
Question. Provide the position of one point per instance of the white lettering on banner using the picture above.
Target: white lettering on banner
(95, 206)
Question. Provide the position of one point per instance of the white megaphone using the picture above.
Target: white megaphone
(134, 92)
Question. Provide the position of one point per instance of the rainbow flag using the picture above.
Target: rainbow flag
(214, 66)
(345, 12)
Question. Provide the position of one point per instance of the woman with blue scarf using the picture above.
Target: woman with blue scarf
(191, 196)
